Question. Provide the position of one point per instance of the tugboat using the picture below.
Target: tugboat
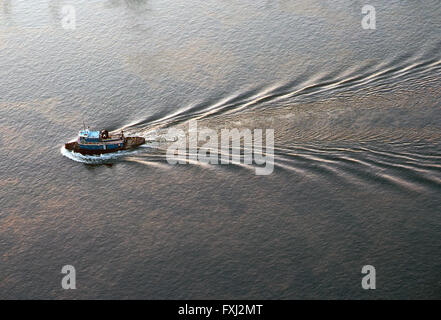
(99, 142)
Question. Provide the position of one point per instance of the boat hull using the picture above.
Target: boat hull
(130, 143)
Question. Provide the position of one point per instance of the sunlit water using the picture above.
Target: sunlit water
(356, 116)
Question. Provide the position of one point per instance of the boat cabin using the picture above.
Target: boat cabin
(99, 140)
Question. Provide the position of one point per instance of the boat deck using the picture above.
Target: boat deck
(130, 143)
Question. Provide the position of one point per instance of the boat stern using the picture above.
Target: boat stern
(132, 142)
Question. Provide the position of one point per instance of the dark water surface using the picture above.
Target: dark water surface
(357, 120)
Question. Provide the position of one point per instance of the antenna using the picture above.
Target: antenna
(84, 126)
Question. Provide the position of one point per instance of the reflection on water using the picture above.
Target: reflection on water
(357, 174)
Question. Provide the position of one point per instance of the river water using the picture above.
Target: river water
(356, 116)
